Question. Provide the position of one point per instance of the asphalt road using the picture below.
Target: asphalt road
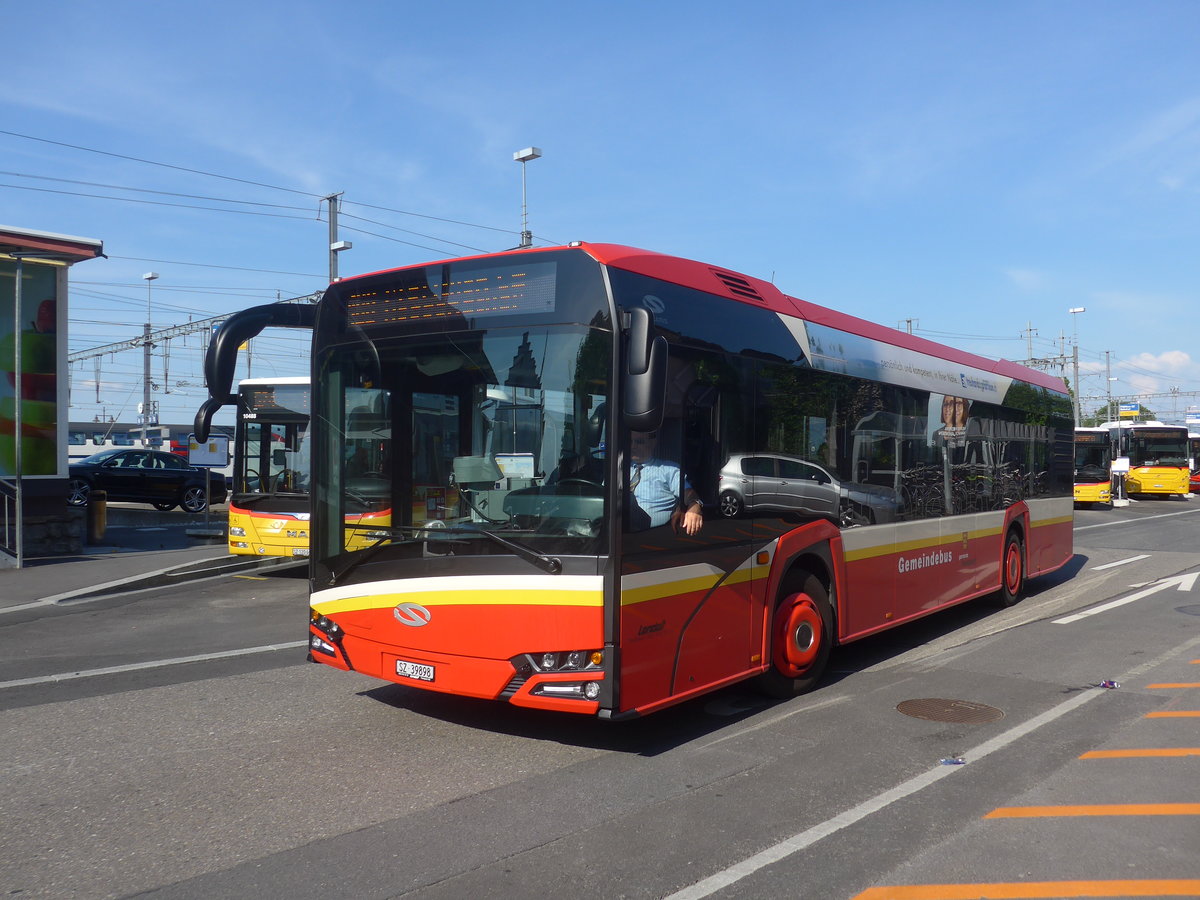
(176, 744)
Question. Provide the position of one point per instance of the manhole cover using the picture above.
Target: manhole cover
(936, 710)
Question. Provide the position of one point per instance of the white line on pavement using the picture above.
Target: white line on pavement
(783, 849)
(151, 664)
(1135, 521)
(1120, 562)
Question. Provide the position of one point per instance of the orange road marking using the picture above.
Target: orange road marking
(1177, 714)
(1180, 684)
(1103, 809)
(1047, 889)
(1149, 751)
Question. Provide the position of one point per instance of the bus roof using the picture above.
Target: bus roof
(756, 292)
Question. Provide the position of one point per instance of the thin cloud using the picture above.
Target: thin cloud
(1172, 362)
(1026, 279)
(1164, 144)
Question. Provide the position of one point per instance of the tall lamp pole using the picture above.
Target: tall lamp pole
(524, 156)
(1109, 377)
(146, 416)
(1075, 311)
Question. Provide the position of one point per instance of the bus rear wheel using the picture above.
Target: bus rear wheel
(1012, 571)
(801, 638)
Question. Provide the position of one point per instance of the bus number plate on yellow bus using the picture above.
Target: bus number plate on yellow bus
(419, 671)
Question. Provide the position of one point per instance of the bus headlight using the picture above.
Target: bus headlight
(567, 661)
(237, 531)
(321, 646)
(571, 690)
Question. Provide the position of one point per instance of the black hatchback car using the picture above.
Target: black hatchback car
(165, 480)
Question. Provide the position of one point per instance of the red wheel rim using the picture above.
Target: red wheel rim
(799, 635)
(1012, 568)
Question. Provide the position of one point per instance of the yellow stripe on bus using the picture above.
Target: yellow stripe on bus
(632, 596)
(1019, 890)
(463, 598)
(889, 548)
(1057, 520)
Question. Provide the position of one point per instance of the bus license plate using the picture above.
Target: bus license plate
(419, 671)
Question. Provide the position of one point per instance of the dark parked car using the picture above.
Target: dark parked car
(165, 480)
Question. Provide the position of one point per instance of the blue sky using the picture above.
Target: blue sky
(978, 168)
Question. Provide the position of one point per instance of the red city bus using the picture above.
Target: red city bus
(619, 480)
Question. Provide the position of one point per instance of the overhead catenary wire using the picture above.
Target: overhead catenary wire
(151, 162)
(247, 181)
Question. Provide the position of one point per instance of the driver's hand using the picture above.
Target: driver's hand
(690, 522)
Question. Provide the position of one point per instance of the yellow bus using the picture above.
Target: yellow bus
(269, 507)
(1093, 457)
(1158, 454)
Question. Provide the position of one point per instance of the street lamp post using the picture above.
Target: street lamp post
(146, 416)
(524, 156)
(1109, 377)
(1075, 311)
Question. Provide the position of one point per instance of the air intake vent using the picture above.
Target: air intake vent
(737, 285)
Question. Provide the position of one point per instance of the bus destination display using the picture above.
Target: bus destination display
(470, 293)
(277, 398)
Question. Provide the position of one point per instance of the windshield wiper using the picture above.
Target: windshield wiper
(370, 552)
(549, 564)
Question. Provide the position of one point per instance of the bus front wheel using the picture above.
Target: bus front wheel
(801, 638)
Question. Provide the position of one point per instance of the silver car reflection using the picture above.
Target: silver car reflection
(779, 483)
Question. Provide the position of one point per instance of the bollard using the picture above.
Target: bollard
(97, 516)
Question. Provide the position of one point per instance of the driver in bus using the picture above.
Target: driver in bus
(655, 484)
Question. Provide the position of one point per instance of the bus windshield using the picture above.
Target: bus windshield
(271, 453)
(1091, 461)
(497, 432)
(1161, 447)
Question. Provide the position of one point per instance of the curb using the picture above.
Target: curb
(205, 568)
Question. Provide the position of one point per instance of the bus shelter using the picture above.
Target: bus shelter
(34, 391)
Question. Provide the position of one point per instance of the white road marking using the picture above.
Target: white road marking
(1120, 562)
(1135, 521)
(151, 664)
(1181, 582)
(783, 849)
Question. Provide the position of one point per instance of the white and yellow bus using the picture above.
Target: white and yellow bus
(1158, 454)
(1093, 461)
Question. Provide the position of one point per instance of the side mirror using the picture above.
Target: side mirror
(645, 368)
(221, 359)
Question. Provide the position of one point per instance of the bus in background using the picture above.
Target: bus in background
(269, 508)
(1194, 453)
(270, 502)
(1159, 457)
(555, 428)
(1093, 459)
